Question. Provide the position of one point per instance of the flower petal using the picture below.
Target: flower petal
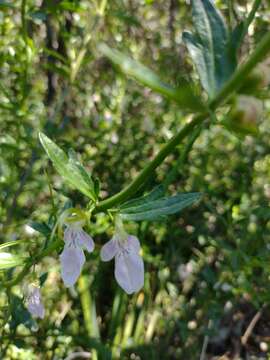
(129, 271)
(109, 250)
(72, 260)
(84, 240)
(36, 310)
(133, 243)
(34, 304)
(69, 235)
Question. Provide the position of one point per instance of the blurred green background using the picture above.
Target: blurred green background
(207, 269)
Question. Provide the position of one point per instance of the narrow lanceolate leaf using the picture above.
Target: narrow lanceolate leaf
(155, 194)
(236, 37)
(11, 243)
(69, 168)
(184, 96)
(209, 46)
(160, 208)
(8, 260)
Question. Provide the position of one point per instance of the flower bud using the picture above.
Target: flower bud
(244, 115)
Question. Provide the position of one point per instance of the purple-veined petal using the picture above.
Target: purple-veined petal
(34, 303)
(133, 243)
(68, 235)
(84, 240)
(129, 271)
(36, 310)
(109, 250)
(72, 260)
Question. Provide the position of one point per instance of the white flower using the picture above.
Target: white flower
(72, 257)
(129, 267)
(34, 303)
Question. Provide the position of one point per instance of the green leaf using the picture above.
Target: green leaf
(155, 194)
(69, 168)
(209, 46)
(263, 212)
(11, 243)
(8, 260)
(184, 96)
(38, 15)
(70, 6)
(160, 208)
(236, 36)
(6, 5)
(19, 314)
(43, 278)
(40, 227)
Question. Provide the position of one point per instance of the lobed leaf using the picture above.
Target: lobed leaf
(69, 168)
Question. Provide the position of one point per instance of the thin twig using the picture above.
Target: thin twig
(205, 342)
(79, 354)
(252, 324)
(204, 347)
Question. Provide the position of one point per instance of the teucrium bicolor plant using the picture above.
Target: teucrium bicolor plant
(123, 247)
(213, 50)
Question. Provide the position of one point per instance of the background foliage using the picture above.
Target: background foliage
(207, 269)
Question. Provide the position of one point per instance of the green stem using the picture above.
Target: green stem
(173, 173)
(50, 249)
(88, 310)
(133, 187)
(23, 20)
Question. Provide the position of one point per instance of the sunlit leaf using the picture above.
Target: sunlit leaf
(209, 46)
(69, 168)
(11, 243)
(8, 260)
(160, 208)
(155, 194)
